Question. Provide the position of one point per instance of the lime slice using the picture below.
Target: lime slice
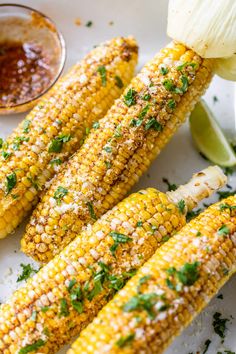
(209, 138)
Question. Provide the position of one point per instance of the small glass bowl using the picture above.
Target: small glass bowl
(26, 25)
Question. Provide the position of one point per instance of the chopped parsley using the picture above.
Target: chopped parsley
(181, 206)
(6, 155)
(142, 302)
(123, 341)
(171, 104)
(103, 73)
(136, 122)
(164, 70)
(215, 99)
(11, 180)
(130, 97)
(118, 133)
(64, 311)
(225, 194)
(186, 276)
(207, 344)
(184, 65)
(146, 97)
(26, 125)
(98, 280)
(76, 297)
(144, 111)
(170, 86)
(55, 162)
(228, 171)
(89, 24)
(139, 224)
(17, 141)
(219, 325)
(144, 279)
(223, 230)
(27, 271)
(171, 186)
(119, 82)
(57, 143)
(44, 309)
(60, 194)
(32, 347)
(118, 239)
(192, 214)
(108, 164)
(153, 124)
(220, 296)
(96, 125)
(91, 211)
(1, 142)
(107, 149)
(227, 206)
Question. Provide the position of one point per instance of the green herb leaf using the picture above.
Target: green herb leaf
(71, 284)
(169, 84)
(64, 311)
(32, 347)
(136, 122)
(189, 273)
(184, 65)
(10, 182)
(207, 344)
(139, 224)
(171, 104)
(60, 193)
(142, 302)
(123, 341)
(171, 186)
(6, 155)
(144, 111)
(118, 133)
(107, 149)
(57, 143)
(1, 142)
(91, 211)
(219, 324)
(55, 162)
(89, 24)
(164, 70)
(130, 97)
(96, 125)
(27, 271)
(223, 230)
(17, 141)
(146, 97)
(119, 82)
(227, 206)
(26, 125)
(103, 73)
(44, 309)
(118, 239)
(153, 124)
(144, 279)
(181, 206)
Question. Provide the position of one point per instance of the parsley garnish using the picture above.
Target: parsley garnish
(89, 24)
(181, 206)
(60, 193)
(107, 149)
(139, 224)
(26, 125)
(136, 122)
(98, 279)
(192, 214)
(171, 104)
(1, 142)
(6, 155)
(223, 230)
(44, 309)
(96, 125)
(146, 97)
(225, 194)
(118, 133)
(187, 275)
(170, 86)
(55, 162)
(171, 186)
(17, 141)
(184, 65)
(108, 164)
(142, 302)
(207, 344)
(64, 311)
(164, 70)
(119, 82)
(144, 111)
(118, 238)
(103, 73)
(227, 206)
(27, 271)
(57, 143)
(130, 97)
(32, 347)
(91, 211)
(219, 325)
(123, 341)
(220, 296)
(153, 124)
(10, 182)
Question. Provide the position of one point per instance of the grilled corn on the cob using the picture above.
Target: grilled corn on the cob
(55, 128)
(65, 295)
(169, 290)
(119, 149)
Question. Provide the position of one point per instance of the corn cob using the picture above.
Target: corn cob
(65, 295)
(55, 128)
(169, 290)
(119, 150)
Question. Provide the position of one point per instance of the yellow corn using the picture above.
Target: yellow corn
(169, 290)
(65, 295)
(55, 128)
(119, 150)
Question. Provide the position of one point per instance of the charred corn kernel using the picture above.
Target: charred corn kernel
(55, 128)
(122, 146)
(169, 290)
(81, 279)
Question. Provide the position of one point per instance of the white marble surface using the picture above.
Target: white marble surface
(146, 20)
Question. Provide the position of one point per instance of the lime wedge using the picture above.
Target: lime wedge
(209, 138)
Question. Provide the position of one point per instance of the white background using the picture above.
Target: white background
(146, 20)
